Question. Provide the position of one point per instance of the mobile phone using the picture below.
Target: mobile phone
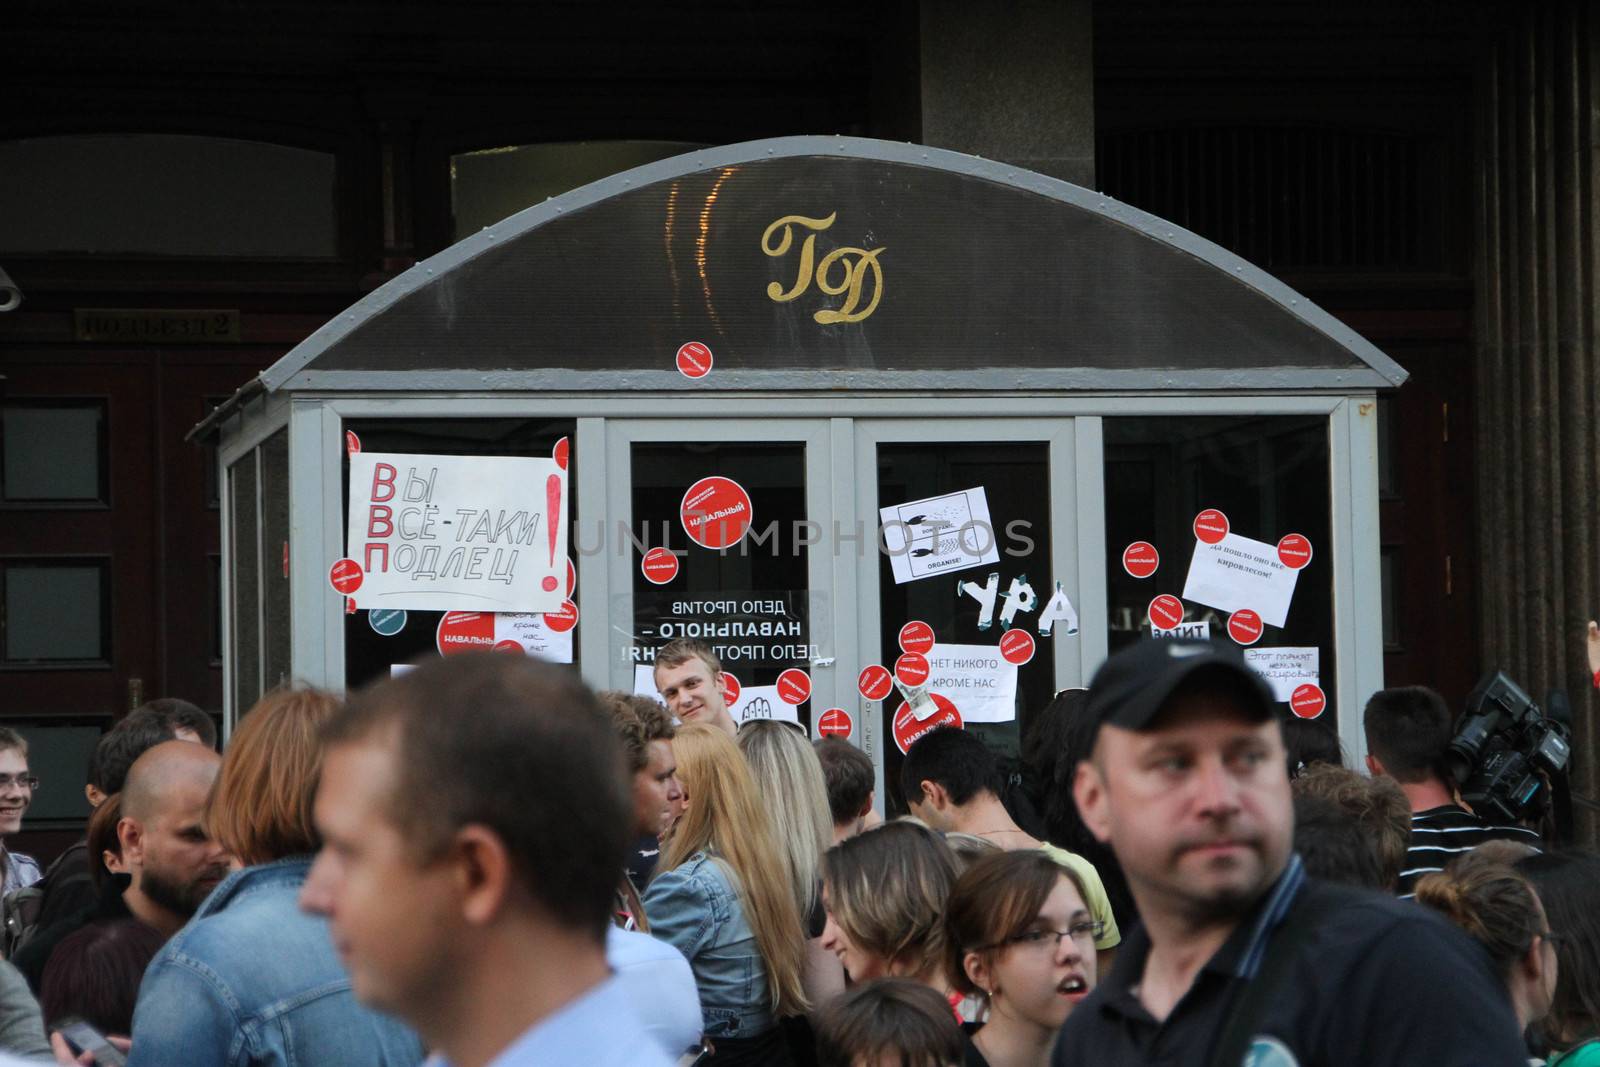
(81, 1037)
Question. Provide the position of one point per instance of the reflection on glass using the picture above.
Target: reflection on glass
(1015, 477)
(750, 601)
(1268, 475)
(55, 612)
(54, 452)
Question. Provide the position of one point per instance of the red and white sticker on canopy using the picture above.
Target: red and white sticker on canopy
(1166, 612)
(1017, 646)
(794, 686)
(1244, 626)
(474, 631)
(907, 727)
(875, 682)
(916, 637)
(694, 360)
(1140, 559)
(659, 566)
(1308, 701)
(835, 722)
(715, 512)
(1210, 526)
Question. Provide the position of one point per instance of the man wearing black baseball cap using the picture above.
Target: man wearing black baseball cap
(1240, 959)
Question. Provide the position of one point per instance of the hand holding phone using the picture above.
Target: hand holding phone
(80, 1037)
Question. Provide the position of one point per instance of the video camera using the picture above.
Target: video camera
(1502, 741)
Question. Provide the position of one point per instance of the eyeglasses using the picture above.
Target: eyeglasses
(25, 781)
(1085, 931)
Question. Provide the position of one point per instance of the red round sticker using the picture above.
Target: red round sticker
(1307, 701)
(694, 360)
(1244, 626)
(659, 565)
(1016, 646)
(563, 620)
(352, 443)
(794, 686)
(875, 682)
(916, 637)
(1294, 551)
(730, 688)
(465, 631)
(572, 577)
(1211, 526)
(349, 605)
(562, 453)
(1141, 559)
(1166, 612)
(715, 512)
(907, 728)
(346, 576)
(835, 722)
(509, 645)
(912, 668)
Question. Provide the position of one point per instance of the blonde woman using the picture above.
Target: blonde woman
(722, 899)
(885, 892)
(789, 776)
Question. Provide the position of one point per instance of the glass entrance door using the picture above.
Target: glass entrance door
(978, 603)
(722, 532)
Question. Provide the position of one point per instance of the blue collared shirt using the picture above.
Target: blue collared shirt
(599, 1029)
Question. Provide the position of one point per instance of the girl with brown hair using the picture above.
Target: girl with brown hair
(722, 898)
(1018, 934)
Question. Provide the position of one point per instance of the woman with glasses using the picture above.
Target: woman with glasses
(1019, 935)
(1499, 908)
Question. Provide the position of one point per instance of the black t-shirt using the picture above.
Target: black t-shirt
(1377, 982)
(643, 855)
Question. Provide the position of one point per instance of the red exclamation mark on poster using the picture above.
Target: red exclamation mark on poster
(552, 496)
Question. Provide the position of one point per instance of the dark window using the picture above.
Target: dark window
(57, 611)
(55, 453)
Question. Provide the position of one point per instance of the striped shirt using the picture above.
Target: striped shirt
(1440, 834)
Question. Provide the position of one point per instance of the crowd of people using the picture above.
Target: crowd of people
(482, 862)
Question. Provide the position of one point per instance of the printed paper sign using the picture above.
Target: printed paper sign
(644, 683)
(1285, 669)
(470, 631)
(977, 678)
(1238, 572)
(762, 702)
(1185, 631)
(487, 533)
(939, 534)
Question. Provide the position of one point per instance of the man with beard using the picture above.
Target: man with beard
(1241, 959)
(171, 862)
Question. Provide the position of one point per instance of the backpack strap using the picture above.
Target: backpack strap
(1250, 1004)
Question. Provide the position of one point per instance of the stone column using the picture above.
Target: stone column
(1537, 361)
(1011, 80)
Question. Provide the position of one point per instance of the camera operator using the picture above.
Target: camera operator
(1409, 730)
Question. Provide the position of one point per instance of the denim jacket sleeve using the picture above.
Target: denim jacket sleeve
(184, 1015)
(679, 906)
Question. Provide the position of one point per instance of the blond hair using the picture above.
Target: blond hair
(260, 808)
(727, 819)
(789, 776)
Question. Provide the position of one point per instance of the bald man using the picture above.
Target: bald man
(168, 863)
(174, 864)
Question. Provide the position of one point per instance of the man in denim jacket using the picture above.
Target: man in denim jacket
(475, 814)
